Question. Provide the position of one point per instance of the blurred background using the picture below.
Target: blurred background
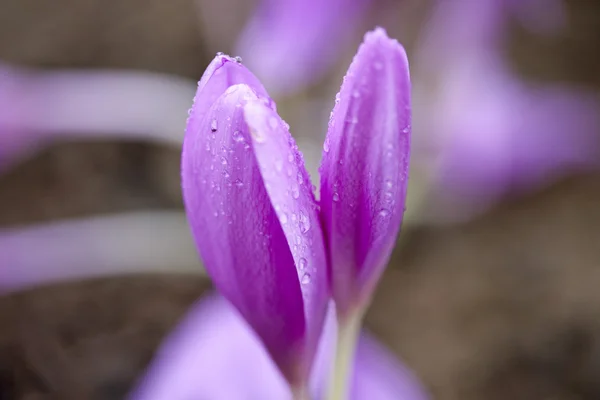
(492, 292)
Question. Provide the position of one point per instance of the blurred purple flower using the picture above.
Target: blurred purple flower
(290, 43)
(251, 206)
(214, 354)
(365, 168)
(496, 133)
(37, 107)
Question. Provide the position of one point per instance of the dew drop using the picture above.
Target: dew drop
(389, 184)
(239, 183)
(336, 196)
(213, 125)
(406, 130)
(283, 218)
(326, 145)
(305, 278)
(238, 59)
(304, 223)
(220, 53)
(384, 213)
(223, 160)
(237, 136)
(302, 263)
(226, 174)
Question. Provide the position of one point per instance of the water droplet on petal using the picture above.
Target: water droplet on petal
(304, 223)
(326, 145)
(305, 278)
(384, 213)
(213, 125)
(223, 160)
(237, 136)
(283, 218)
(239, 183)
(336, 196)
(302, 263)
(220, 53)
(238, 59)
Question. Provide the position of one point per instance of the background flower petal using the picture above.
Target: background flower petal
(214, 354)
(290, 43)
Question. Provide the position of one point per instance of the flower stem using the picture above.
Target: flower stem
(347, 336)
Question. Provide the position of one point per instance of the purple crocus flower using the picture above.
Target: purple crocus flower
(252, 210)
(289, 43)
(214, 354)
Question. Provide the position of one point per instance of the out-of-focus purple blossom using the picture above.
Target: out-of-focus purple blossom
(290, 43)
(37, 107)
(364, 172)
(250, 205)
(494, 132)
(214, 354)
(136, 242)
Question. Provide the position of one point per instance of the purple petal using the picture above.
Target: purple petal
(213, 354)
(290, 191)
(290, 43)
(222, 73)
(364, 171)
(244, 246)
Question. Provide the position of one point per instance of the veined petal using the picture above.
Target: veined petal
(290, 190)
(214, 354)
(364, 171)
(238, 232)
(265, 42)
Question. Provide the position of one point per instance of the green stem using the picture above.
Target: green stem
(347, 336)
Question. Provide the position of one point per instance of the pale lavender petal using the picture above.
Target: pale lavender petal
(291, 193)
(290, 43)
(365, 167)
(214, 354)
(519, 138)
(136, 242)
(243, 244)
